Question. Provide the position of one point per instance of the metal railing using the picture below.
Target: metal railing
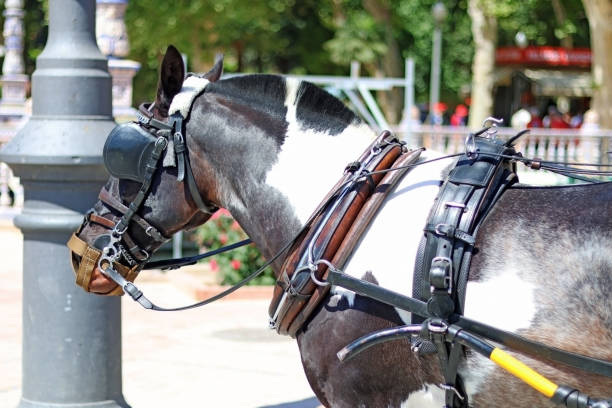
(563, 145)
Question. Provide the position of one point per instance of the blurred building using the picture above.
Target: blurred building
(540, 77)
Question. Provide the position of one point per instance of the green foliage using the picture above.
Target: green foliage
(265, 36)
(536, 19)
(358, 38)
(313, 37)
(234, 265)
(415, 24)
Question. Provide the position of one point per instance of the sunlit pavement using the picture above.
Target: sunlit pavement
(221, 355)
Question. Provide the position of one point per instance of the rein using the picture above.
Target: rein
(176, 263)
(440, 330)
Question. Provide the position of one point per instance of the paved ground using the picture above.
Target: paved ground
(219, 356)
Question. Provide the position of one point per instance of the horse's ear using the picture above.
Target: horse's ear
(171, 76)
(215, 73)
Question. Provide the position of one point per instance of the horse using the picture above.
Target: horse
(269, 148)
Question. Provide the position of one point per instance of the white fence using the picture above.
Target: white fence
(571, 146)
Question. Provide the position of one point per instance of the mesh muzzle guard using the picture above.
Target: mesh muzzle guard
(89, 261)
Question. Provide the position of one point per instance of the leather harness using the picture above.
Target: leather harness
(441, 269)
(443, 258)
(326, 242)
(330, 237)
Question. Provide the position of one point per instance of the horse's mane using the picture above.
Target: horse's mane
(316, 109)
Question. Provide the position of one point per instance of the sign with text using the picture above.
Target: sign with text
(544, 56)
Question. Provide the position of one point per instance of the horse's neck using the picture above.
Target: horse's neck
(308, 165)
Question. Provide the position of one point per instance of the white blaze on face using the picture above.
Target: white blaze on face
(310, 162)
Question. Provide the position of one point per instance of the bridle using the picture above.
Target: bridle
(133, 151)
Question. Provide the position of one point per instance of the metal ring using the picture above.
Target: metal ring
(162, 142)
(109, 251)
(328, 264)
(317, 281)
(144, 253)
(437, 326)
(437, 230)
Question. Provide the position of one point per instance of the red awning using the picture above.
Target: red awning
(543, 56)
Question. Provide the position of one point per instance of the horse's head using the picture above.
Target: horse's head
(152, 192)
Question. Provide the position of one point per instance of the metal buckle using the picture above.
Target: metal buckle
(448, 278)
(439, 232)
(142, 118)
(454, 204)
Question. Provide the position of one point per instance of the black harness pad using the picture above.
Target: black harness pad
(466, 196)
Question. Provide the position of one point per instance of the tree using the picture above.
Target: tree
(380, 34)
(263, 36)
(497, 22)
(484, 30)
(599, 13)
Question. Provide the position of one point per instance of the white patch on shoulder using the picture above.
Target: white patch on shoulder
(389, 246)
(494, 301)
(310, 162)
(343, 293)
(182, 101)
(431, 396)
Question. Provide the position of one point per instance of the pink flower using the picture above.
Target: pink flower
(213, 265)
(221, 212)
(235, 264)
(223, 239)
(235, 226)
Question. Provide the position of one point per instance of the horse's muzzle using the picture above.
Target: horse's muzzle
(84, 259)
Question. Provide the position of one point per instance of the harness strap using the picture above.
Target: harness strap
(184, 167)
(308, 260)
(105, 222)
(117, 205)
(160, 145)
(449, 355)
(361, 223)
(179, 150)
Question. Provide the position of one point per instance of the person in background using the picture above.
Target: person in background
(436, 115)
(521, 118)
(576, 120)
(554, 119)
(535, 121)
(459, 117)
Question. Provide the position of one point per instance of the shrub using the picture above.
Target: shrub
(234, 265)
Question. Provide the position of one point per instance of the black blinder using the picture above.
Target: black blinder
(127, 149)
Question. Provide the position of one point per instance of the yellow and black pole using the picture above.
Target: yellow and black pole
(559, 394)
